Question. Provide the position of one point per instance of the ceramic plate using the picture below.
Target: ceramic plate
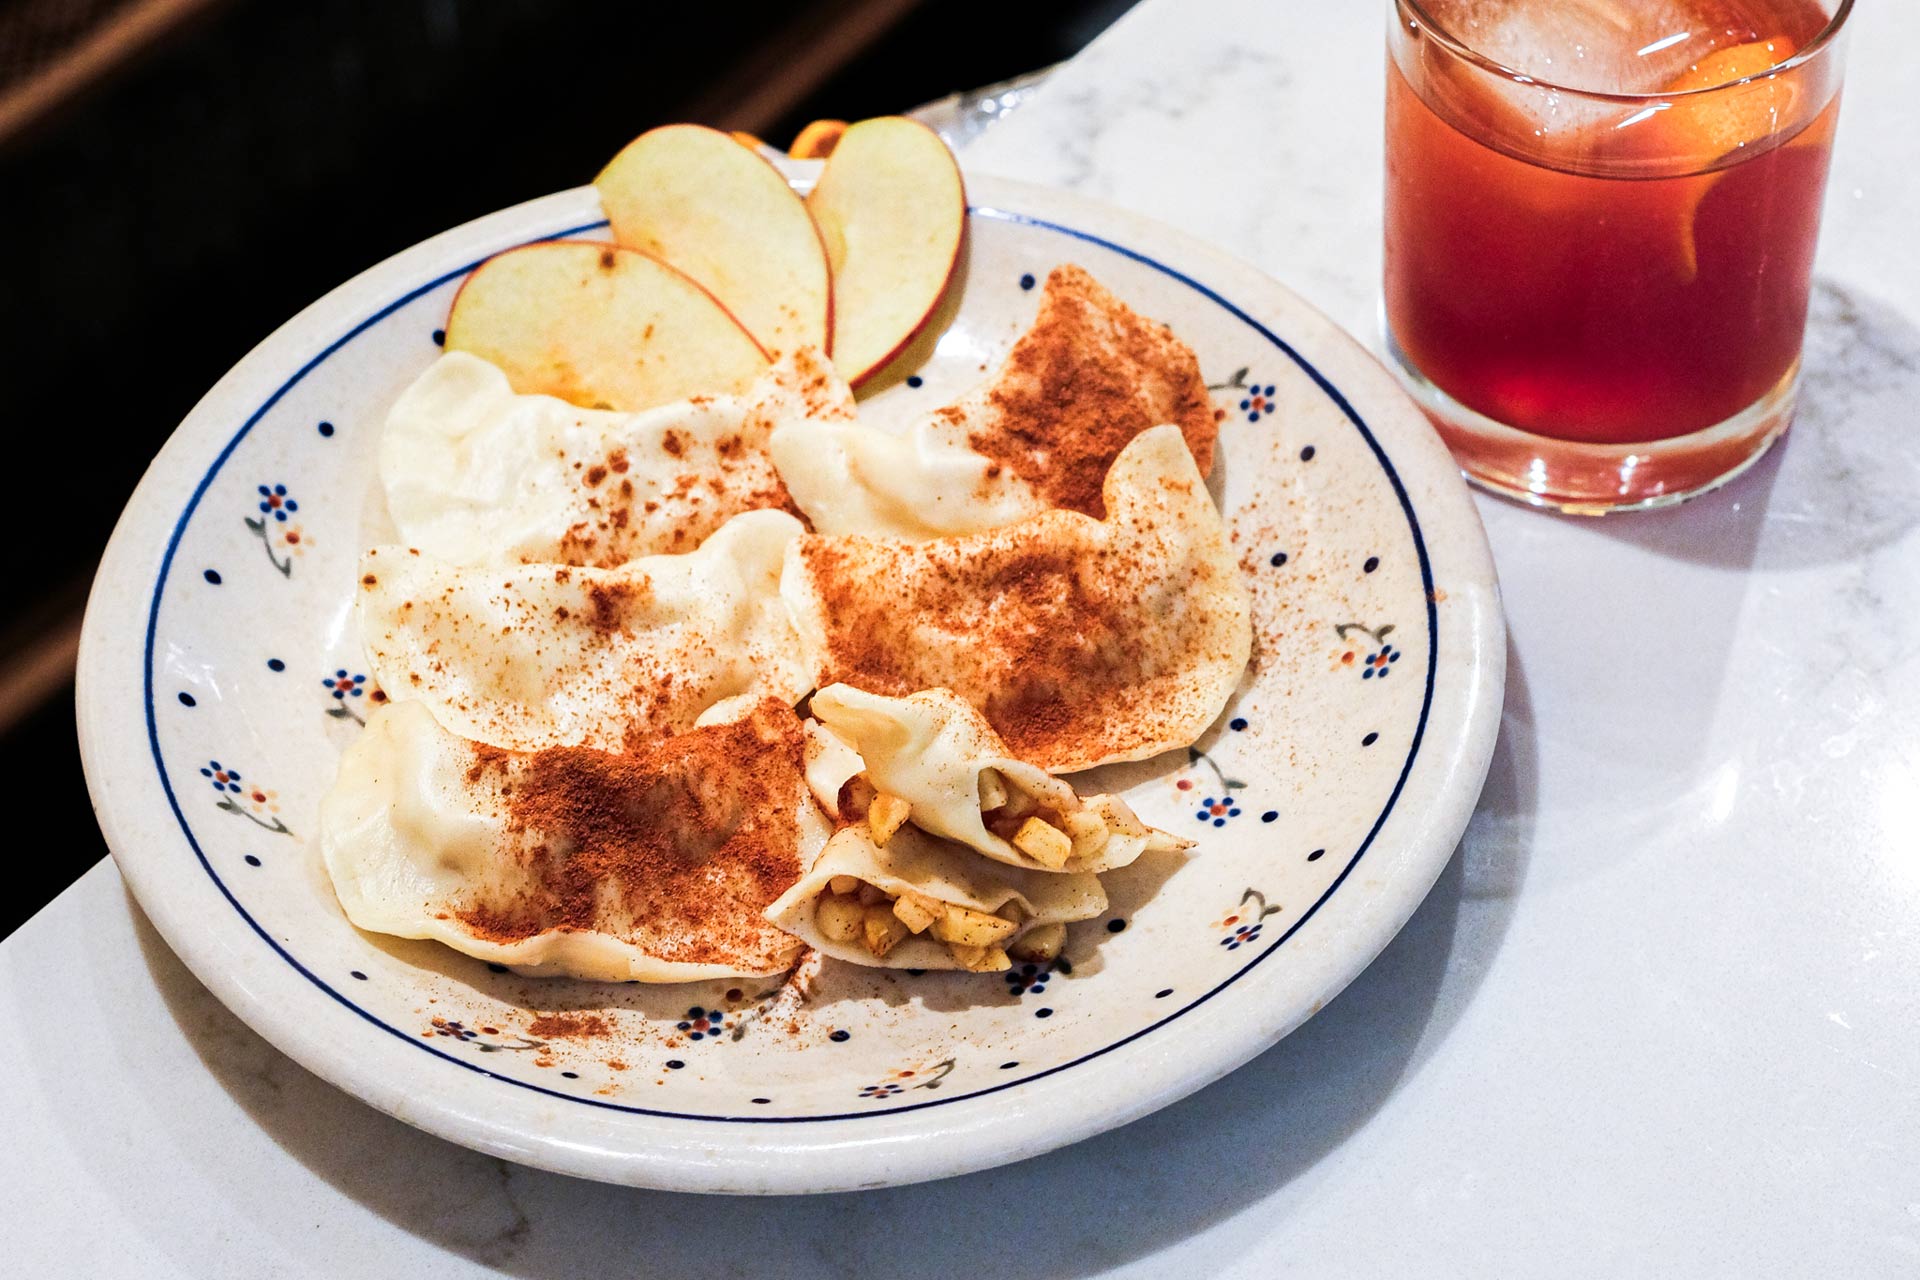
(220, 678)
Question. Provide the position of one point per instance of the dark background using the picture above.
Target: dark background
(225, 162)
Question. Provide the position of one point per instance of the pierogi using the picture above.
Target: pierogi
(919, 902)
(533, 656)
(1082, 641)
(849, 478)
(942, 758)
(1043, 431)
(655, 865)
(477, 474)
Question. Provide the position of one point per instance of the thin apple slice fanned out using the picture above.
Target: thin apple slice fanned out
(717, 210)
(602, 327)
(893, 212)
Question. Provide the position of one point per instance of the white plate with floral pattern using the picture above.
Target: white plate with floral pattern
(220, 678)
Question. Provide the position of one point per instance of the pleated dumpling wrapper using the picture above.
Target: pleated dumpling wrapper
(1082, 641)
(655, 866)
(1076, 389)
(532, 656)
(476, 474)
(849, 478)
(943, 759)
(919, 902)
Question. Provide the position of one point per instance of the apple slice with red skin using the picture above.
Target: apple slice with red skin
(696, 198)
(601, 326)
(892, 209)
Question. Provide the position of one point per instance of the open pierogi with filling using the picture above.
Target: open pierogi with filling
(941, 758)
(919, 902)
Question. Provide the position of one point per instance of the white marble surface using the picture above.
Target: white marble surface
(1659, 1016)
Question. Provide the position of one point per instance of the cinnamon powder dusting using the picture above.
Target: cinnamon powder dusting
(549, 656)
(678, 847)
(1080, 385)
(704, 472)
(1079, 640)
(614, 602)
(1044, 641)
(570, 1026)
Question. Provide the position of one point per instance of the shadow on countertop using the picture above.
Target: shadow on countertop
(1108, 1201)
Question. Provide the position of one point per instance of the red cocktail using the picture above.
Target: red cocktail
(1600, 226)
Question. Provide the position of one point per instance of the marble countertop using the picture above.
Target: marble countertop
(1659, 1015)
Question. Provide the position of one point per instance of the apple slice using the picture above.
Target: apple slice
(724, 215)
(893, 212)
(600, 326)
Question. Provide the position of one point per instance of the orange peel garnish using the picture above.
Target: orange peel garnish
(817, 140)
(1739, 114)
(1735, 62)
(1712, 126)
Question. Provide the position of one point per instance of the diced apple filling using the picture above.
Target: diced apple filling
(885, 816)
(838, 917)
(1088, 832)
(881, 929)
(856, 797)
(917, 911)
(1041, 944)
(865, 914)
(1047, 836)
(1019, 805)
(1045, 843)
(980, 959)
(972, 928)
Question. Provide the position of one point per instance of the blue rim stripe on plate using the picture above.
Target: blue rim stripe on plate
(1000, 215)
